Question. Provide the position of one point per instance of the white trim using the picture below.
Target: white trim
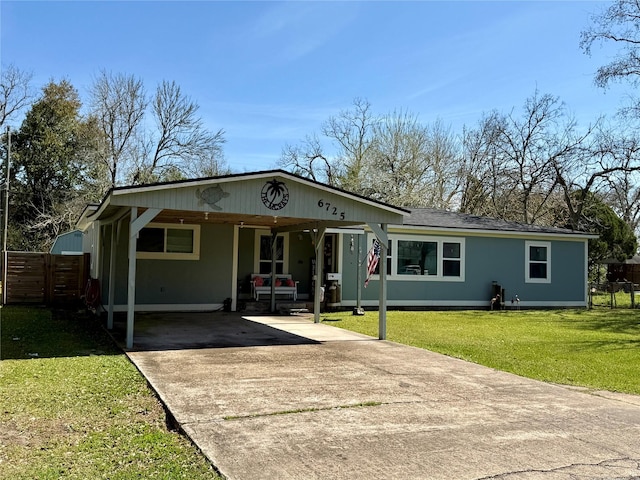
(171, 307)
(348, 231)
(440, 277)
(339, 249)
(251, 176)
(465, 304)
(256, 249)
(586, 272)
(527, 261)
(195, 255)
(435, 230)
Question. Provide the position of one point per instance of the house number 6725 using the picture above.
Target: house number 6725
(333, 210)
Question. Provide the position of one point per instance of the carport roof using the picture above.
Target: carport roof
(273, 199)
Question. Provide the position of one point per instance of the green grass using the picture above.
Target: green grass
(72, 406)
(620, 299)
(598, 349)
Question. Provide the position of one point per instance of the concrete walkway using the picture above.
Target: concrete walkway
(310, 401)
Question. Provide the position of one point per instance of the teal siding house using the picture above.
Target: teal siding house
(199, 245)
(443, 259)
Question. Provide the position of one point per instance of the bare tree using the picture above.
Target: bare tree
(399, 168)
(348, 136)
(513, 161)
(351, 132)
(118, 103)
(392, 158)
(309, 160)
(618, 172)
(445, 178)
(181, 143)
(180, 146)
(480, 175)
(15, 92)
(617, 24)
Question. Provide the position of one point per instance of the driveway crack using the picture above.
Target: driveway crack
(608, 464)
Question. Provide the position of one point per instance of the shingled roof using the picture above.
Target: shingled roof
(429, 217)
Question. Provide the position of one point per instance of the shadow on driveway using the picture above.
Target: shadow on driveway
(181, 331)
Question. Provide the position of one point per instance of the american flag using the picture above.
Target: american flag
(372, 260)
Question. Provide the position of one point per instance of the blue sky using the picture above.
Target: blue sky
(269, 73)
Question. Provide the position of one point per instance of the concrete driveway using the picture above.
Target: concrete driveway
(284, 398)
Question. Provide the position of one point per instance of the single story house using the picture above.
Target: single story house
(201, 244)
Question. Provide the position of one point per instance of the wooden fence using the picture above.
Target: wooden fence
(45, 279)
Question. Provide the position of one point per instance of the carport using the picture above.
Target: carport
(273, 200)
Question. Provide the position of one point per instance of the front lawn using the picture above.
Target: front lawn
(73, 407)
(599, 349)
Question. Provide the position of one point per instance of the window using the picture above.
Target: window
(263, 253)
(169, 242)
(450, 259)
(538, 262)
(419, 257)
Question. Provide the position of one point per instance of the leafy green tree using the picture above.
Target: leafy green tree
(52, 178)
(616, 238)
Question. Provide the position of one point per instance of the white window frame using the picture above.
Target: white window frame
(194, 255)
(256, 250)
(440, 277)
(527, 261)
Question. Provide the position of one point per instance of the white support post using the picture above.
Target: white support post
(318, 238)
(382, 310)
(381, 232)
(234, 269)
(112, 275)
(137, 224)
(131, 282)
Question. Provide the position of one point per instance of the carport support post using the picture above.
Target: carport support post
(381, 233)
(382, 313)
(318, 238)
(136, 224)
(112, 276)
(131, 282)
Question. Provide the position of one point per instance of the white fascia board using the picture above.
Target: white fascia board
(97, 212)
(258, 175)
(490, 233)
(83, 222)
